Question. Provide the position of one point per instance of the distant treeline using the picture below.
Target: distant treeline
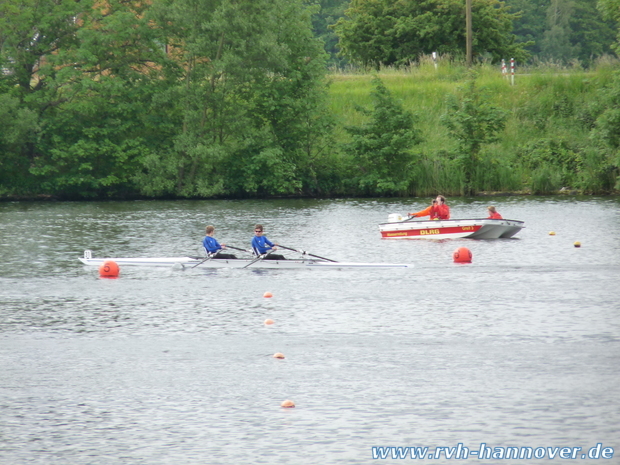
(560, 32)
(230, 99)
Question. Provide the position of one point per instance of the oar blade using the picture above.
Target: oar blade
(306, 253)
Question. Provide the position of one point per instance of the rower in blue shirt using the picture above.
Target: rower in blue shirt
(261, 245)
(212, 246)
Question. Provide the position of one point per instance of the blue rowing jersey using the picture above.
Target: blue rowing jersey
(261, 245)
(211, 244)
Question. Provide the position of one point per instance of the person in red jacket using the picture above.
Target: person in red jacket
(493, 215)
(425, 212)
(440, 211)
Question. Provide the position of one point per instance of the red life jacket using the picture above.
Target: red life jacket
(441, 211)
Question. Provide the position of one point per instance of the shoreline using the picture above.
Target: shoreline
(564, 192)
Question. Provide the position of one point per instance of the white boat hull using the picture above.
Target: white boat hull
(190, 262)
(451, 229)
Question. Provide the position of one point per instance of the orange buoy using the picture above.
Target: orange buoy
(577, 244)
(109, 269)
(267, 294)
(269, 321)
(462, 255)
(288, 404)
(278, 355)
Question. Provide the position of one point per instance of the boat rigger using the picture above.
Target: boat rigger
(203, 262)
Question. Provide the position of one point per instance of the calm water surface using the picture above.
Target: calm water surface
(170, 366)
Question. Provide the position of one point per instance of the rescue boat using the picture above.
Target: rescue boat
(399, 227)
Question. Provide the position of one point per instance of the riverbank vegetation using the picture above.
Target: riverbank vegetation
(553, 129)
(231, 99)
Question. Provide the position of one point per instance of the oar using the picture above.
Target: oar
(209, 257)
(306, 253)
(237, 248)
(260, 257)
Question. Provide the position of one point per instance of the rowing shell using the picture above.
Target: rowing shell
(189, 262)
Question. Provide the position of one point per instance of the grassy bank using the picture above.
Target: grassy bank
(548, 132)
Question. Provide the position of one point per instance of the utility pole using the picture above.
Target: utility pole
(468, 32)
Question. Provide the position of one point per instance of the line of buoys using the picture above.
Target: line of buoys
(109, 269)
(462, 255)
(279, 355)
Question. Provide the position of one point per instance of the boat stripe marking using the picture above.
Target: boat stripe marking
(425, 232)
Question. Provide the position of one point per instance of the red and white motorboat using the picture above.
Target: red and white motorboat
(398, 227)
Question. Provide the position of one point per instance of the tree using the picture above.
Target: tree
(31, 33)
(591, 35)
(85, 71)
(387, 32)
(563, 30)
(556, 39)
(473, 122)
(96, 134)
(530, 25)
(327, 14)
(18, 129)
(610, 10)
(606, 130)
(381, 148)
(246, 81)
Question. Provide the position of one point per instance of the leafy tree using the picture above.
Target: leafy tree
(531, 23)
(246, 81)
(591, 35)
(31, 33)
(563, 30)
(610, 10)
(97, 135)
(327, 14)
(18, 129)
(84, 70)
(556, 39)
(381, 148)
(606, 130)
(387, 32)
(473, 122)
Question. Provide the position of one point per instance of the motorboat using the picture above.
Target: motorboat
(399, 227)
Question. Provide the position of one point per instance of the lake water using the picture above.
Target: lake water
(520, 348)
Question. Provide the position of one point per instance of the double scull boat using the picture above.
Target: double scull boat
(203, 262)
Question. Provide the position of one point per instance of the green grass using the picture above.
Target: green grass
(546, 102)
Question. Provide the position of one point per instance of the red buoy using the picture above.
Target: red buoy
(109, 269)
(462, 255)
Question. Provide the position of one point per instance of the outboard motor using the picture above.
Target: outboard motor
(395, 218)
